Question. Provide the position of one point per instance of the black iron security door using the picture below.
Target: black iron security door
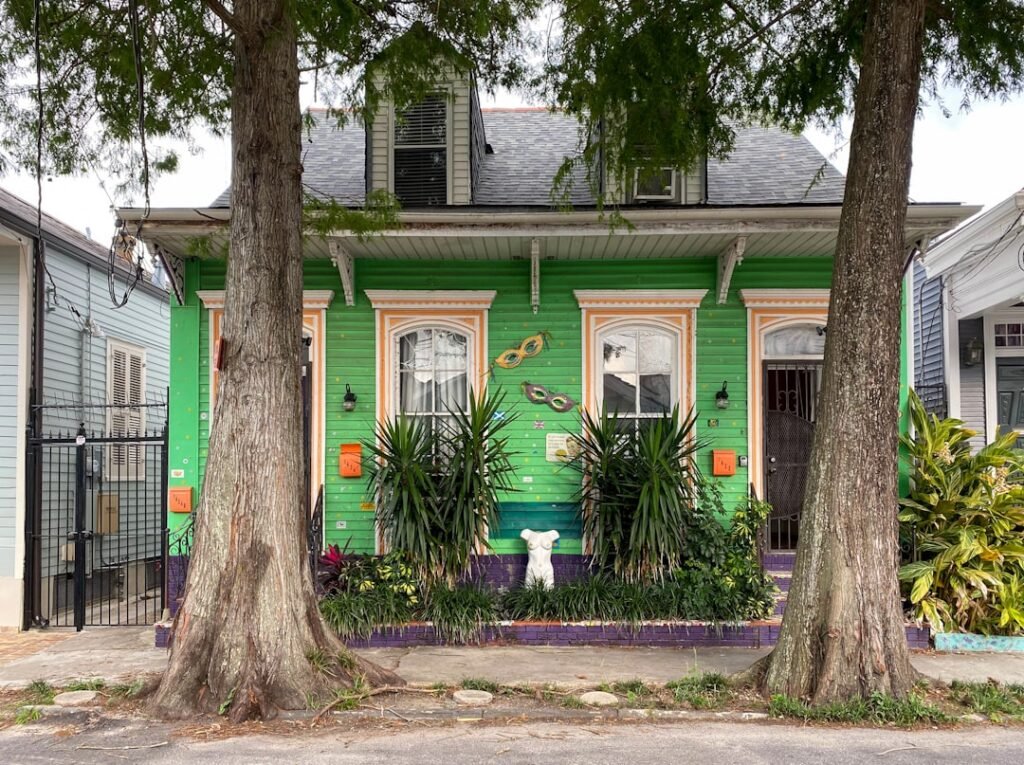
(97, 531)
(790, 411)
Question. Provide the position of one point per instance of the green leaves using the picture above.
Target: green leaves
(966, 512)
(437, 485)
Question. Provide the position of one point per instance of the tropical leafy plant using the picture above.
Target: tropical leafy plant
(437, 489)
(966, 514)
(638, 492)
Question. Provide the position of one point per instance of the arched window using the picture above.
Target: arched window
(639, 371)
(432, 373)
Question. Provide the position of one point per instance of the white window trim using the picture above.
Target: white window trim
(671, 310)
(448, 91)
(394, 352)
(991, 354)
(399, 311)
(673, 189)
(136, 472)
(627, 324)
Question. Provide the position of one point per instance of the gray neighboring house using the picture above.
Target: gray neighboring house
(92, 355)
(969, 323)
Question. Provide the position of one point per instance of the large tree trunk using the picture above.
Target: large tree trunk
(249, 633)
(843, 636)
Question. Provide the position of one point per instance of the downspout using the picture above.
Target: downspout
(34, 522)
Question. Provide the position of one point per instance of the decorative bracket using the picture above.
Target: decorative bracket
(174, 267)
(342, 260)
(727, 263)
(535, 275)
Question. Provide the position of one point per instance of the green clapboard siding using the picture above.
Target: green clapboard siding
(721, 354)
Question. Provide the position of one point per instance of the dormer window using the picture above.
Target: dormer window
(420, 145)
(658, 184)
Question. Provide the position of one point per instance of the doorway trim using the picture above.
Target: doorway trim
(314, 323)
(768, 310)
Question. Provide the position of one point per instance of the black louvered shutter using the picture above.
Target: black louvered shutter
(421, 153)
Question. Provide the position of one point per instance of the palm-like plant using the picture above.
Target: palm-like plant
(967, 512)
(438, 489)
(639, 492)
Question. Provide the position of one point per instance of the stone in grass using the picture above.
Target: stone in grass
(599, 699)
(75, 698)
(473, 698)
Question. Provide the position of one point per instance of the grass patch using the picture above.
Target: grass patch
(637, 688)
(126, 690)
(878, 709)
(994, 700)
(477, 684)
(94, 684)
(708, 690)
(27, 715)
(573, 702)
(40, 692)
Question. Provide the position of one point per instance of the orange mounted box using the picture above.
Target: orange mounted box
(179, 499)
(723, 462)
(350, 461)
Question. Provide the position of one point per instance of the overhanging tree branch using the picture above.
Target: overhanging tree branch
(224, 15)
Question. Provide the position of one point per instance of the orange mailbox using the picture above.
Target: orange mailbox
(723, 462)
(180, 499)
(350, 461)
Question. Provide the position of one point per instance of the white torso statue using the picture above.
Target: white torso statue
(538, 545)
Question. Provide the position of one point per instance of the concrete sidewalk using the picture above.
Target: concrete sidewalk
(121, 654)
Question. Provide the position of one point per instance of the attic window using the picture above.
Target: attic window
(421, 153)
(657, 184)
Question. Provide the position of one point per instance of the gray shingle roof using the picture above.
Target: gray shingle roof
(768, 166)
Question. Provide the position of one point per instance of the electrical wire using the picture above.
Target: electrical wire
(124, 240)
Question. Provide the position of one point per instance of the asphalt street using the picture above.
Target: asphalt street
(539, 744)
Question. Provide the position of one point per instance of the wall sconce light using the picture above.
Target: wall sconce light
(349, 402)
(722, 397)
(974, 352)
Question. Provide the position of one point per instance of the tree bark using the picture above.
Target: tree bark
(249, 637)
(843, 633)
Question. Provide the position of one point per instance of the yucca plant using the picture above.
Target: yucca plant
(639, 491)
(966, 512)
(403, 480)
(437, 489)
(477, 471)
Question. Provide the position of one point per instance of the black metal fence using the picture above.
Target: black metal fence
(97, 531)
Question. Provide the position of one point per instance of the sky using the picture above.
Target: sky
(975, 157)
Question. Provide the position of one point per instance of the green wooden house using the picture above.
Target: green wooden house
(715, 297)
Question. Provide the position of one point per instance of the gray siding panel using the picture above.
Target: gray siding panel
(75, 369)
(9, 312)
(972, 383)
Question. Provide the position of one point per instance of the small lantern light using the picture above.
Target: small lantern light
(349, 402)
(722, 397)
(974, 352)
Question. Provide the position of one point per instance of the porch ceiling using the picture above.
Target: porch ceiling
(563, 236)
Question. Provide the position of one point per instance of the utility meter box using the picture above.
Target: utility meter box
(180, 499)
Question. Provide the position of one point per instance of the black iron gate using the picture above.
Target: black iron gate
(97, 525)
(790, 411)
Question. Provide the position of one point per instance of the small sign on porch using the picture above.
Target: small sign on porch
(561, 447)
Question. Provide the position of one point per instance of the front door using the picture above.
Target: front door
(790, 407)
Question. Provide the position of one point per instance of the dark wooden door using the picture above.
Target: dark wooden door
(790, 406)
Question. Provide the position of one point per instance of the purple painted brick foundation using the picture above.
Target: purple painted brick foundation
(505, 571)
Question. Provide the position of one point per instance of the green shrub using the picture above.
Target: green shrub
(357, 614)
(436, 489)
(966, 513)
(478, 684)
(638, 492)
(459, 614)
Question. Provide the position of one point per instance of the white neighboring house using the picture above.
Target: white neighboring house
(969, 322)
(92, 354)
